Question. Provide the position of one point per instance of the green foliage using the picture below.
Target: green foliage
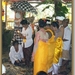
(60, 10)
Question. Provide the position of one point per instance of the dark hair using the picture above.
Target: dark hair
(15, 42)
(24, 22)
(66, 20)
(42, 23)
(41, 73)
(55, 24)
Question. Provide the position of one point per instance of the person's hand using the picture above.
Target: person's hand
(20, 34)
(18, 31)
(17, 61)
(23, 59)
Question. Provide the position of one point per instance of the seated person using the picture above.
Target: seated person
(41, 73)
(16, 54)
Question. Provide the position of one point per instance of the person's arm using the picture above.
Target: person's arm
(20, 34)
(23, 37)
(49, 34)
(62, 31)
(67, 35)
(65, 39)
(29, 34)
(36, 40)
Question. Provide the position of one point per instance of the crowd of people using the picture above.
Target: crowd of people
(48, 50)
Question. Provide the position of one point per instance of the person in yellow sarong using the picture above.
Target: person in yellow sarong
(55, 47)
(45, 53)
(61, 28)
(58, 47)
(44, 50)
(51, 47)
(40, 51)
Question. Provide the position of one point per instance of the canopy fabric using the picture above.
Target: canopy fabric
(23, 6)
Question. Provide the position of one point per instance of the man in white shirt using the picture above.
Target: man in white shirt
(66, 44)
(16, 54)
(26, 35)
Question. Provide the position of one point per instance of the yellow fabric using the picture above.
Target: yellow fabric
(52, 37)
(44, 55)
(58, 50)
(55, 48)
(50, 54)
(51, 49)
(24, 40)
(47, 53)
(40, 58)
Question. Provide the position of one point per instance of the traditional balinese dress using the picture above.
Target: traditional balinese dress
(58, 50)
(41, 53)
(57, 55)
(46, 52)
(51, 49)
(55, 50)
(43, 59)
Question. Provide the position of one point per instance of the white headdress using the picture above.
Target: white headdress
(60, 18)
